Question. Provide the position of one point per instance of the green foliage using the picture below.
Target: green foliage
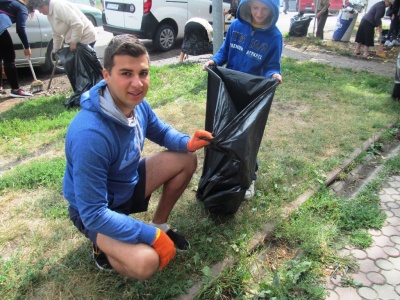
(41, 115)
(38, 173)
(375, 148)
(295, 280)
(362, 212)
(230, 284)
(360, 239)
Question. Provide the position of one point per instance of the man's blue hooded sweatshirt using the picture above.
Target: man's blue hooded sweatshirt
(252, 50)
(103, 149)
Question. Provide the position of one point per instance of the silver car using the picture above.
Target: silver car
(40, 38)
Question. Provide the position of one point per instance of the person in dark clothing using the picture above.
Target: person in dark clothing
(322, 16)
(2, 92)
(285, 6)
(13, 12)
(197, 38)
(394, 25)
(232, 10)
(372, 19)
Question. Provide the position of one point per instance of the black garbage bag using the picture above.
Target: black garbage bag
(299, 25)
(83, 69)
(396, 87)
(237, 111)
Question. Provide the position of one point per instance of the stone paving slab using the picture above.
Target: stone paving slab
(379, 265)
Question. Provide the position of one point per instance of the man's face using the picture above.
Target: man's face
(128, 81)
(260, 12)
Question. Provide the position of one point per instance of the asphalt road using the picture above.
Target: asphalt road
(155, 55)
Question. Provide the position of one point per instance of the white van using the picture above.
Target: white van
(162, 21)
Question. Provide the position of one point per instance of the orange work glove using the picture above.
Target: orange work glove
(196, 142)
(164, 247)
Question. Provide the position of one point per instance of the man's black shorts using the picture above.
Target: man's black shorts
(137, 203)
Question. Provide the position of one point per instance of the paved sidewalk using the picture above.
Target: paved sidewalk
(379, 265)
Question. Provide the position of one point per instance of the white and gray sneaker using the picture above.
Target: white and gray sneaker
(250, 192)
(388, 43)
(395, 43)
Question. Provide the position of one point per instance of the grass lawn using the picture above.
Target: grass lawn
(319, 116)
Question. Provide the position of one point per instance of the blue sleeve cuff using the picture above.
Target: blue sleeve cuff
(147, 234)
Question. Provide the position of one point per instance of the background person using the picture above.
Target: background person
(394, 25)
(68, 23)
(232, 9)
(285, 6)
(371, 20)
(197, 38)
(322, 16)
(253, 45)
(13, 12)
(2, 92)
(106, 179)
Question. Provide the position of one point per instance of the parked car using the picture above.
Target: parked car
(161, 21)
(40, 38)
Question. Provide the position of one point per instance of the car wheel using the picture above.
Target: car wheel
(164, 38)
(91, 19)
(49, 63)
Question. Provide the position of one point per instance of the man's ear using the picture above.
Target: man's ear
(106, 75)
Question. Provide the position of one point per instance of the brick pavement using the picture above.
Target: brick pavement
(379, 265)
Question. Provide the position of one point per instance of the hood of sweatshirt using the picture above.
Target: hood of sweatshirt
(244, 12)
(99, 99)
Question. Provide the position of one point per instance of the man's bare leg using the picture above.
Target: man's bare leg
(173, 170)
(138, 261)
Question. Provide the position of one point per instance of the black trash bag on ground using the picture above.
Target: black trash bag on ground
(396, 87)
(237, 111)
(83, 69)
(299, 25)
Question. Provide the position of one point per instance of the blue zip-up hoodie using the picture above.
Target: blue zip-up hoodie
(103, 152)
(251, 50)
(14, 12)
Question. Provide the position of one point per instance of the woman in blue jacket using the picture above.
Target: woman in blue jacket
(13, 12)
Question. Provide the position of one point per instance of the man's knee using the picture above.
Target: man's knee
(140, 264)
(193, 161)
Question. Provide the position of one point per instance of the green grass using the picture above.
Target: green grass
(320, 114)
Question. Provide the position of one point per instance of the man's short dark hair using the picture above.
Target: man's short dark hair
(124, 44)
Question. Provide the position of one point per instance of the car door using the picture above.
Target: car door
(39, 34)
(124, 13)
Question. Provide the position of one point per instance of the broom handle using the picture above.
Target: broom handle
(52, 73)
(33, 72)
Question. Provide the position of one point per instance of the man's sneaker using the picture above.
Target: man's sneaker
(250, 192)
(20, 93)
(100, 259)
(388, 43)
(181, 243)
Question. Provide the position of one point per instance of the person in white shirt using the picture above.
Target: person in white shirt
(68, 23)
